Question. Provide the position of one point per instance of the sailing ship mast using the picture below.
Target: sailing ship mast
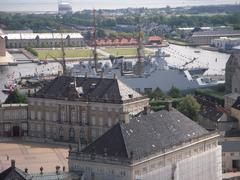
(139, 67)
(94, 40)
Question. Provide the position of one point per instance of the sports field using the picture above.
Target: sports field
(123, 51)
(57, 53)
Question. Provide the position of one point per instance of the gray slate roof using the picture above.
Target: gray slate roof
(88, 89)
(217, 33)
(236, 104)
(16, 173)
(146, 135)
(230, 146)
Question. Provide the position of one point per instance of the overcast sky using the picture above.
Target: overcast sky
(106, 4)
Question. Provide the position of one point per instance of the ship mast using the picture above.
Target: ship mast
(139, 67)
(94, 40)
(140, 49)
(63, 63)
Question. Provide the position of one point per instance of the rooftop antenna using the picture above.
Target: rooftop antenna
(94, 39)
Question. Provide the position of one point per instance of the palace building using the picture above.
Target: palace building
(68, 109)
(158, 146)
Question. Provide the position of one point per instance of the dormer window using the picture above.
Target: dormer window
(130, 96)
(93, 86)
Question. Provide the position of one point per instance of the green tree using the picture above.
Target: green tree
(31, 50)
(156, 94)
(174, 92)
(16, 98)
(101, 33)
(189, 107)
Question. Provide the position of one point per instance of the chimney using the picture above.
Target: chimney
(29, 92)
(26, 170)
(13, 163)
(125, 118)
(169, 105)
(146, 110)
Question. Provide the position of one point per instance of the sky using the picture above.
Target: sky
(51, 5)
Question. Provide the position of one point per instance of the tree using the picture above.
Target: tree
(156, 94)
(16, 98)
(189, 107)
(101, 33)
(174, 92)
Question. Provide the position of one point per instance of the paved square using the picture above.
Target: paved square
(33, 156)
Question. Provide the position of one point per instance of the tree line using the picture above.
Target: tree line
(48, 22)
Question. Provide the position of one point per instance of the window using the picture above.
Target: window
(39, 115)
(47, 128)
(24, 126)
(47, 116)
(7, 127)
(38, 127)
(153, 166)
(73, 116)
(60, 132)
(109, 122)
(93, 133)
(144, 169)
(63, 115)
(54, 116)
(137, 172)
(32, 127)
(100, 121)
(232, 154)
(93, 120)
(71, 133)
(84, 115)
(32, 115)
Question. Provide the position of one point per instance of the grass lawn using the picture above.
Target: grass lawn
(70, 53)
(124, 51)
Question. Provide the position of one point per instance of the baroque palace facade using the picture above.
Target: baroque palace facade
(71, 109)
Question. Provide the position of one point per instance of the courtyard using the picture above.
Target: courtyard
(33, 156)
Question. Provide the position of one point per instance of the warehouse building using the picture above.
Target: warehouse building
(42, 40)
(205, 37)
